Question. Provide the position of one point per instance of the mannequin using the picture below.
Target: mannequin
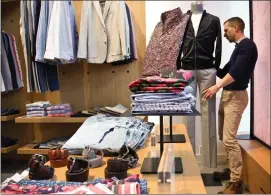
(202, 38)
(197, 9)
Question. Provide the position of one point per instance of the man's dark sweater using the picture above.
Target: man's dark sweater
(241, 65)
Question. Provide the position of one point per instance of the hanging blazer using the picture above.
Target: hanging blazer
(104, 37)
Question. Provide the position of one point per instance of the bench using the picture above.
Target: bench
(256, 168)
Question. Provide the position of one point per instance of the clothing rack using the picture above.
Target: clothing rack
(82, 85)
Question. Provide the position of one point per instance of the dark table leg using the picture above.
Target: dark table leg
(170, 128)
(161, 135)
(150, 165)
(177, 138)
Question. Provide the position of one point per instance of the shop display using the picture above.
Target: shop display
(6, 141)
(94, 156)
(109, 133)
(40, 76)
(202, 39)
(11, 71)
(128, 154)
(59, 110)
(164, 46)
(78, 169)
(180, 99)
(134, 185)
(58, 157)
(37, 109)
(9, 111)
(106, 33)
(116, 168)
(38, 170)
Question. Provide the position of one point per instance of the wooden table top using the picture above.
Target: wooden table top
(189, 182)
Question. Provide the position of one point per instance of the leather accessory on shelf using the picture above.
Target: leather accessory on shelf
(128, 154)
(117, 165)
(58, 157)
(119, 175)
(40, 158)
(78, 169)
(94, 156)
(37, 169)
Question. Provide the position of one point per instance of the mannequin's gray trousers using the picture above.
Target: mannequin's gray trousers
(204, 79)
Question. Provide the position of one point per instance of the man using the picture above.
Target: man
(235, 77)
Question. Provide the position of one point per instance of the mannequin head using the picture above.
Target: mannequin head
(197, 7)
(234, 29)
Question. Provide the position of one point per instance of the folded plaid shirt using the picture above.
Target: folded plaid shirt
(59, 107)
(182, 107)
(60, 115)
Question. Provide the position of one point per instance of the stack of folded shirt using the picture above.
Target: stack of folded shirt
(160, 84)
(9, 111)
(158, 94)
(59, 110)
(37, 109)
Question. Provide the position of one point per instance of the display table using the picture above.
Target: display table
(189, 182)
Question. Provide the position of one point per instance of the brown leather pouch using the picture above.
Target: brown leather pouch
(39, 171)
(117, 165)
(58, 157)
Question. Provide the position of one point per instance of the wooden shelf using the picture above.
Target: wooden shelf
(6, 1)
(26, 119)
(10, 148)
(29, 150)
(10, 117)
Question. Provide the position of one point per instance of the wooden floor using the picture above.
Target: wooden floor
(189, 182)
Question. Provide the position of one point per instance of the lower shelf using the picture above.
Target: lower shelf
(10, 117)
(27, 149)
(10, 148)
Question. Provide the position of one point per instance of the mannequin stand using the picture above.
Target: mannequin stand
(150, 165)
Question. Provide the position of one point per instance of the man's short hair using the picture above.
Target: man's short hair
(236, 21)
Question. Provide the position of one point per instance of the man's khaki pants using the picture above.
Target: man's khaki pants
(231, 108)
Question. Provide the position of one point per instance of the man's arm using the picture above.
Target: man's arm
(243, 57)
(225, 81)
(222, 72)
(235, 72)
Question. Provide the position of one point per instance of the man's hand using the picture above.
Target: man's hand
(208, 93)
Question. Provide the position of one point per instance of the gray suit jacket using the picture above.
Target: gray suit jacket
(104, 37)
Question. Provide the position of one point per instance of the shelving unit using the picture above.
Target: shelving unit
(25, 119)
(10, 148)
(10, 117)
(29, 150)
(82, 85)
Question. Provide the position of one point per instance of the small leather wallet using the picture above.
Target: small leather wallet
(58, 157)
(37, 169)
(117, 165)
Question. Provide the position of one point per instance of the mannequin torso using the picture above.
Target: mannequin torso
(197, 10)
(195, 18)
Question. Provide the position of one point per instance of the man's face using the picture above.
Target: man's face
(230, 32)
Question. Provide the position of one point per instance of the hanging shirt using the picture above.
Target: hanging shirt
(164, 46)
(62, 40)
(104, 36)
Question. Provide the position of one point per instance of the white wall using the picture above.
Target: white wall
(224, 10)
